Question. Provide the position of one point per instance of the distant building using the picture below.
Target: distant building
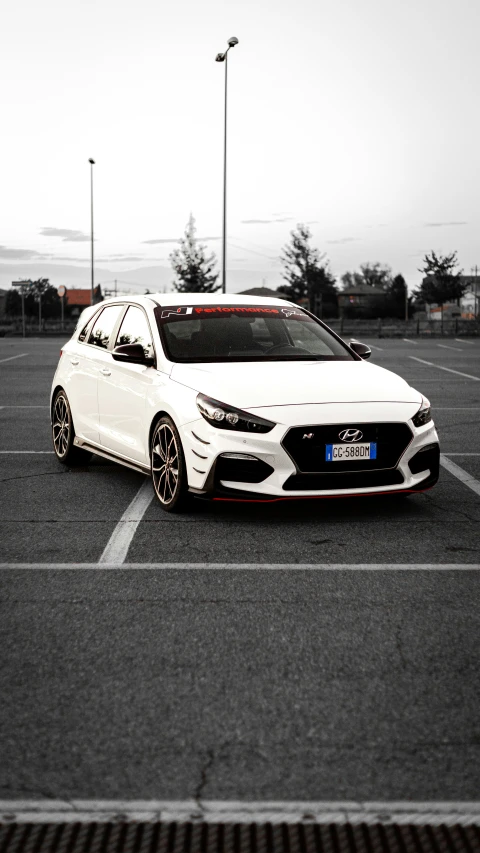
(360, 296)
(468, 306)
(264, 291)
(77, 299)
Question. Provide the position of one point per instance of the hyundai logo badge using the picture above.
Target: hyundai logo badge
(350, 435)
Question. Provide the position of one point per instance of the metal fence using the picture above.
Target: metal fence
(381, 328)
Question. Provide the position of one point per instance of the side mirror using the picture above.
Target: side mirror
(361, 349)
(132, 354)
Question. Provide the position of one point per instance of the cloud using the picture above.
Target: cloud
(312, 221)
(343, 240)
(442, 224)
(119, 259)
(257, 221)
(62, 258)
(68, 235)
(282, 213)
(22, 254)
(176, 240)
(285, 219)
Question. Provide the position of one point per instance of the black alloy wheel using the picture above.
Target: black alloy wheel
(63, 433)
(169, 473)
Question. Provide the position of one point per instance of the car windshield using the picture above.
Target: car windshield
(215, 333)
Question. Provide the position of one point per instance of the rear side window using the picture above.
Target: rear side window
(104, 325)
(86, 330)
(135, 330)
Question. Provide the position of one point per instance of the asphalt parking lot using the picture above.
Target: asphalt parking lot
(320, 671)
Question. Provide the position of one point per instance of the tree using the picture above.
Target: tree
(307, 274)
(41, 289)
(374, 275)
(192, 267)
(442, 282)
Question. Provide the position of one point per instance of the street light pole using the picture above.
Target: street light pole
(92, 163)
(223, 57)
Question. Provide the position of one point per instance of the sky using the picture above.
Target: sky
(359, 117)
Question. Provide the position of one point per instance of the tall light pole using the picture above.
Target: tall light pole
(92, 163)
(222, 57)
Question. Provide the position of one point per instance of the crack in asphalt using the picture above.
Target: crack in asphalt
(452, 509)
(204, 771)
(399, 643)
(32, 476)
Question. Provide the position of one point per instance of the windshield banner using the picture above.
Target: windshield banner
(210, 311)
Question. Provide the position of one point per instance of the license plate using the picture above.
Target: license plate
(341, 452)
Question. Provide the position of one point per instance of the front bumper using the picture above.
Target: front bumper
(205, 445)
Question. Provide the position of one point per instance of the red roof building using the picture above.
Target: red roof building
(77, 298)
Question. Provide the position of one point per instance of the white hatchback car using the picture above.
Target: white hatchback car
(234, 398)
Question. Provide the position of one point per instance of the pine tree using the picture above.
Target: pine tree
(306, 272)
(192, 267)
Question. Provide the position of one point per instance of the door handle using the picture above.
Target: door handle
(74, 361)
(105, 371)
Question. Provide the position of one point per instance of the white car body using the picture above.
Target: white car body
(114, 406)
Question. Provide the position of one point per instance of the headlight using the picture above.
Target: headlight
(224, 416)
(424, 414)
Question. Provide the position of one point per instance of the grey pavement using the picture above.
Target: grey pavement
(238, 685)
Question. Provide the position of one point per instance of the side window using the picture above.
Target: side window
(86, 330)
(135, 330)
(103, 326)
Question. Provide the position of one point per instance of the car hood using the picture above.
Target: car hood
(249, 385)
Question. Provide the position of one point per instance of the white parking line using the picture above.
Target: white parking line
(408, 341)
(445, 346)
(374, 347)
(433, 812)
(448, 369)
(10, 358)
(461, 475)
(463, 341)
(117, 546)
(245, 567)
(461, 454)
(6, 452)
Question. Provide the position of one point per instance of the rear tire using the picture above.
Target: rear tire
(63, 434)
(169, 471)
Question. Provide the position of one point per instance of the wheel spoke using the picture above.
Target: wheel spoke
(165, 442)
(165, 463)
(158, 450)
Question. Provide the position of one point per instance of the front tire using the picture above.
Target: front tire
(63, 433)
(169, 471)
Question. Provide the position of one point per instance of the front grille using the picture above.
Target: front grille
(308, 454)
(200, 837)
(348, 480)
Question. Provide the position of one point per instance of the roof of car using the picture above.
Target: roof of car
(212, 299)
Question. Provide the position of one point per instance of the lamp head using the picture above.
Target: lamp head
(91, 161)
(233, 41)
